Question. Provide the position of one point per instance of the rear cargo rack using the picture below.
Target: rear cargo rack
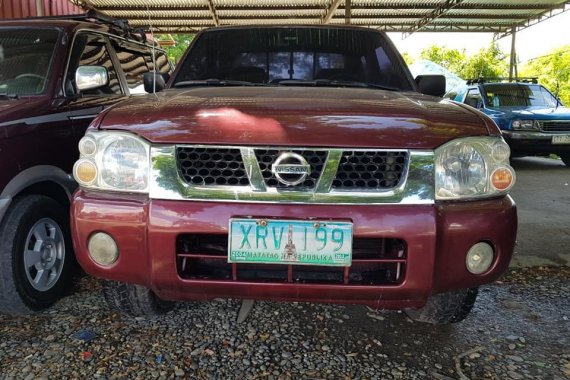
(533, 80)
(121, 26)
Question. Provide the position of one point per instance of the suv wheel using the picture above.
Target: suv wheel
(444, 308)
(565, 158)
(36, 254)
(135, 300)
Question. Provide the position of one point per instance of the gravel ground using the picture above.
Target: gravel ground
(519, 329)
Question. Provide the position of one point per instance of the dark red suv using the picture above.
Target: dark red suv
(56, 75)
(296, 164)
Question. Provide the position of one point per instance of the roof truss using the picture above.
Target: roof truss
(501, 17)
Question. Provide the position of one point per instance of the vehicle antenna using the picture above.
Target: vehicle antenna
(153, 53)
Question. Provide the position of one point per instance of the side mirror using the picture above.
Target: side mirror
(153, 81)
(431, 84)
(91, 77)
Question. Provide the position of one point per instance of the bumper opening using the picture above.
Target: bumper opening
(375, 261)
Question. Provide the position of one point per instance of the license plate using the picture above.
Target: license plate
(296, 242)
(563, 139)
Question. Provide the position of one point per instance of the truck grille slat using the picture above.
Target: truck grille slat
(376, 261)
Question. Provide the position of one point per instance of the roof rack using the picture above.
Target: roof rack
(533, 80)
(91, 15)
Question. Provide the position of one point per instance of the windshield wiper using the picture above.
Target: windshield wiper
(215, 82)
(332, 83)
(4, 95)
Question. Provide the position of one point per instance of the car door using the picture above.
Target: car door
(92, 49)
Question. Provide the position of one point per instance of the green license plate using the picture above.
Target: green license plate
(296, 242)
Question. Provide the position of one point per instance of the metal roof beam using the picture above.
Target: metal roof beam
(333, 6)
(560, 8)
(213, 12)
(436, 13)
(403, 6)
(336, 17)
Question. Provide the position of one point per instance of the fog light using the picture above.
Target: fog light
(479, 258)
(103, 249)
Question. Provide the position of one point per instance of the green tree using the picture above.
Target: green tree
(489, 62)
(486, 63)
(407, 58)
(181, 43)
(552, 71)
(451, 59)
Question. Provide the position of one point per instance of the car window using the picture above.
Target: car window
(474, 98)
(25, 60)
(266, 55)
(518, 95)
(133, 63)
(91, 50)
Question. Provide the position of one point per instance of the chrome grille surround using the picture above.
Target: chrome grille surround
(416, 185)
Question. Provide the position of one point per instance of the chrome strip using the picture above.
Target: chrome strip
(252, 169)
(417, 187)
(329, 171)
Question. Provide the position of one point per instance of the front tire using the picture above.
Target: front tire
(445, 308)
(36, 254)
(134, 300)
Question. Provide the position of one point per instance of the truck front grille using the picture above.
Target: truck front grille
(339, 169)
(555, 126)
(375, 261)
(370, 170)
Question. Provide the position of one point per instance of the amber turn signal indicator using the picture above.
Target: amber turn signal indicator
(85, 172)
(502, 178)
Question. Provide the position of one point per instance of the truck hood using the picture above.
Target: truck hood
(296, 116)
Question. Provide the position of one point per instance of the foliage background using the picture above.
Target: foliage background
(181, 43)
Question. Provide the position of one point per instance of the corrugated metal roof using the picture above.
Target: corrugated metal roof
(407, 16)
(34, 8)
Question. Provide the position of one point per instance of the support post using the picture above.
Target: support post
(513, 60)
(40, 10)
(347, 11)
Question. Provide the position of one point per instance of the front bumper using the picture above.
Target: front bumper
(527, 142)
(437, 238)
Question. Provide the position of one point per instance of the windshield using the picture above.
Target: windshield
(518, 95)
(295, 56)
(25, 60)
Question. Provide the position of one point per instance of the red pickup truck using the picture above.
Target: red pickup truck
(295, 164)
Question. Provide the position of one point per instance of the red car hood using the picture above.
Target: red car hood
(296, 116)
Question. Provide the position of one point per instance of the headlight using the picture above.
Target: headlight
(525, 124)
(113, 161)
(473, 167)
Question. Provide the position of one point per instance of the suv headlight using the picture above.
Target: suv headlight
(113, 161)
(525, 124)
(473, 167)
